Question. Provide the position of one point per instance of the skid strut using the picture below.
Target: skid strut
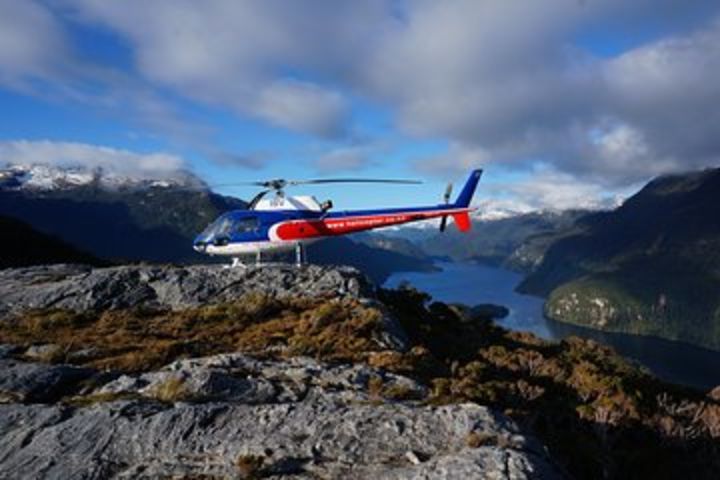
(300, 255)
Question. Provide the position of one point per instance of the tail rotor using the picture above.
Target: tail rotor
(446, 198)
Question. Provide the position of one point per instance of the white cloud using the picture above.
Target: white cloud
(509, 83)
(69, 154)
(458, 160)
(553, 190)
(245, 56)
(32, 44)
(354, 157)
(667, 91)
(38, 57)
(302, 107)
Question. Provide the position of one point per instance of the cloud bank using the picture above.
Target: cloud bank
(69, 154)
(603, 93)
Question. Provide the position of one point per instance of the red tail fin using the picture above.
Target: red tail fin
(462, 220)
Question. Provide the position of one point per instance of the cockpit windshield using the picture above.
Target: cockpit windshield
(219, 227)
(226, 225)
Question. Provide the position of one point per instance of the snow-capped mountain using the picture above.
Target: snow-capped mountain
(113, 216)
(493, 209)
(44, 177)
(487, 211)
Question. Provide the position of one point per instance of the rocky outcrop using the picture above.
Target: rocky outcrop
(38, 382)
(82, 288)
(231, 416)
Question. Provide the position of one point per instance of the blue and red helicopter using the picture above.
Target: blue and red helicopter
(287, 222)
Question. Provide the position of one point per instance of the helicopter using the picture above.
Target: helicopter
(290, 222)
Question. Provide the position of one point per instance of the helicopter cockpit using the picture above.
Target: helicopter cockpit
(226, 227)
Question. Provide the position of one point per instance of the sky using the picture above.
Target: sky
(564, 103)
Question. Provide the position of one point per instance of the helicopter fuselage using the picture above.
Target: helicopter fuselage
(272, 227)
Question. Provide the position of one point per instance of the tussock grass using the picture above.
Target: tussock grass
(174, 389)
(141, 339)
(250, 466)
(99, 398)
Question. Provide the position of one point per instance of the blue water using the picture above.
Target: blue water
(473, 284)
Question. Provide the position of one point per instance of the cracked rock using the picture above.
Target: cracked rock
(285, 419)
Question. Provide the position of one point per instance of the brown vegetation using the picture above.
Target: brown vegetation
(601, 416)
(140, 340)
(250, 466)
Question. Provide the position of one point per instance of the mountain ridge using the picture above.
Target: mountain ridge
(652, 266)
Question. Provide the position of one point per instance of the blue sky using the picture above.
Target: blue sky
(565, 103)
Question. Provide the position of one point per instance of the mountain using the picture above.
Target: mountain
(495, 240)
(110, 216)
(24, 246)
(393, 243)
(377, 262)
(121, 218)
(650, 267)
(529, 253)
(40, 177)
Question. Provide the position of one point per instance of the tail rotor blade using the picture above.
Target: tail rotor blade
(448, 192)
(443, 223)
(446, 198)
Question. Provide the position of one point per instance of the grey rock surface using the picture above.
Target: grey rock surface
(81, 288)
(7, 350)
(38, 382)
(276, 419)
(43, 352)
(237, 377)
(231, 416)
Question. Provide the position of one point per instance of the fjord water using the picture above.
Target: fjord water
(473, 284)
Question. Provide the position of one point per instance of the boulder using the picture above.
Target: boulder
(82, 288)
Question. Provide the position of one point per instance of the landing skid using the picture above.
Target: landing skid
(236, 263)
(300, 258)
(300, 254)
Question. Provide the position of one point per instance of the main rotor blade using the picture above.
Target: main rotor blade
(239, 184)
(279, 183)
(353, 180)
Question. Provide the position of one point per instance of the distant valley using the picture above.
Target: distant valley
(649, 267)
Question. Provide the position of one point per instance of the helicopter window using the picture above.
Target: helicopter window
(219, 227)
(244, 225)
